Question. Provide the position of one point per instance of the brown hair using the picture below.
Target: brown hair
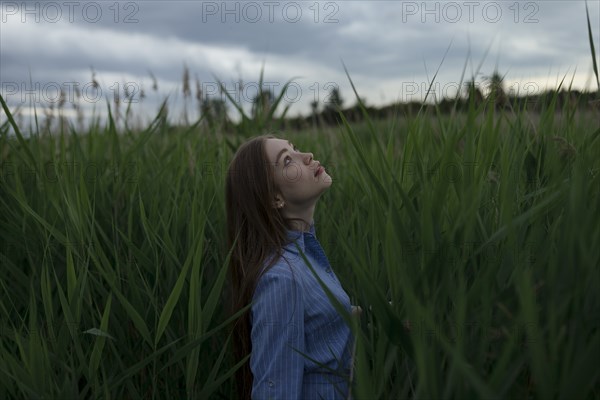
(260, 230)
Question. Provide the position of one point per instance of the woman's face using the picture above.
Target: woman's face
(294, 173)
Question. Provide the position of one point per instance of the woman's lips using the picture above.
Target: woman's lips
(319, 170)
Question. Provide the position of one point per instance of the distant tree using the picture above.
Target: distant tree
(335, 100)
(332, 106)
(262, 103)
(496, 94)
(314, 108)
(472, 91)
(355, 112)
(214, 111)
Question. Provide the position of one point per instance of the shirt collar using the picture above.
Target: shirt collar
(298, 237)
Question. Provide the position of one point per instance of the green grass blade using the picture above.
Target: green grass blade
(592, 48)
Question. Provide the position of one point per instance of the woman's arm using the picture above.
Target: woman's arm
(277, 337)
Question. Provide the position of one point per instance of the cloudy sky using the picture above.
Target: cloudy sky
(392, 49)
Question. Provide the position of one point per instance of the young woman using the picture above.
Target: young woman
(299, 346)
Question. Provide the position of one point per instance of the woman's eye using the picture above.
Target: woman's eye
(285, 162)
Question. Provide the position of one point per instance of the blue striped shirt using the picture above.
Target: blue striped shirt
(297, 335)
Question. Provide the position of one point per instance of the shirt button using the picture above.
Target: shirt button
(271, 384)
(328, 270)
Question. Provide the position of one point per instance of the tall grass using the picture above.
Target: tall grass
(481, 232)
(469, 240)
(112, 266)
(480, 229)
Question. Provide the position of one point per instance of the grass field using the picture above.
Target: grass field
(481, 229)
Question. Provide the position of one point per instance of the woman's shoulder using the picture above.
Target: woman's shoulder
(283, 275)
(285, 267)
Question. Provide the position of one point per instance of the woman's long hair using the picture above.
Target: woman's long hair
(260, 230)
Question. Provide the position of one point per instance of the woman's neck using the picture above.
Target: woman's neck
(297, 225)
(299, 219)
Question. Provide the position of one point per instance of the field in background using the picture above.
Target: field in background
(480, 227)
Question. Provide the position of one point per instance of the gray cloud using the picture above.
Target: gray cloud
(382, 43)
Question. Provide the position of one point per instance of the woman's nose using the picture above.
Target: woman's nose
(309, 157)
